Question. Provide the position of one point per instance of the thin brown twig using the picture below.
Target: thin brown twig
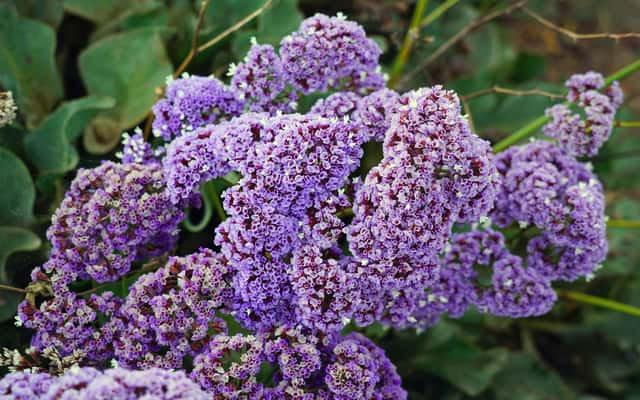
(511, 92)
(475, 24)
(12, 289)
(235, 26)
(193, 51)
(578, 36)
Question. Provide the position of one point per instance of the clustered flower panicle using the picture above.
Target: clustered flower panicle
(312, 243)
(583, 135)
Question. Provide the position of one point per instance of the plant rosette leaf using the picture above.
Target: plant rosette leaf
(27, 64)
(12, 240)
(140, 65)
(49, 147)
(18, 193)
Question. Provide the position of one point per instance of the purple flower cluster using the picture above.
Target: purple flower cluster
(478, 270)
(111, 216)
(580, 136)
(331, 52)
(191, 102)
(284, 179)
(304, 368)
(373, 112)
(89, 383)
(135, 150)
(69, 322)
(262, 82)
(548, 191)
(308, 246)
(171, 313)
(434, 173)
(23, 385)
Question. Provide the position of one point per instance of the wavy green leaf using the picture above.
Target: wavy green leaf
(49, 147)
(18, 193)
(12, 240)
(142, 66)
(27, 64)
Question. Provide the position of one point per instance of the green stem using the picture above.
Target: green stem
(12, 289)
(437, 12)
(600, 302)
(623, 223)
(532, 127)
(217, 204)
(407, 44)
(628, 124)
(206, 216)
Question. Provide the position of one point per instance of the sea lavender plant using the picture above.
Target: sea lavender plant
(308, 246)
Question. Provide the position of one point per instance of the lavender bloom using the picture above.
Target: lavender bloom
(171, 313)
(517, 292)
(111, 216)
(337, 105)
(234, 379)
(548, 189)
(584, 136)
(435, 172)
(191, 102)
(23, 385)
(375, 112)
(213, 151)
(308, 159)
(330, 52)
(68, 322)
(135, 150)
(361, 370)
(88, 383)
(261, 81)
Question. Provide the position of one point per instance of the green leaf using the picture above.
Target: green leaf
(13, 239)
(27, 65)
(18, 193)
(96, 10)
(524, 376)
(142, 66)
(279, 20)
(464, 366)
(49, 12)
(49, 146)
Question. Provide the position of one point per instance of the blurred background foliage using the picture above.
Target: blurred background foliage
(84, 71)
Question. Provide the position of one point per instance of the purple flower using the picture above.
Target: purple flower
(171, 313)
(545, 188)
(111, 216)
(261, 81)
(584, 136)
(88, 383)
(135, 150)
(68, 322)
(330, 52)
(23, 385)
(191, 102)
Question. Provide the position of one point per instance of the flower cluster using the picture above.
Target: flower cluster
(352, 368)
(191, 102)
(478, 270)
(89, 383)
(560, 201)
(111, 216)
(171, 313)
(331, 52)
(309, 246)
(580, 136)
